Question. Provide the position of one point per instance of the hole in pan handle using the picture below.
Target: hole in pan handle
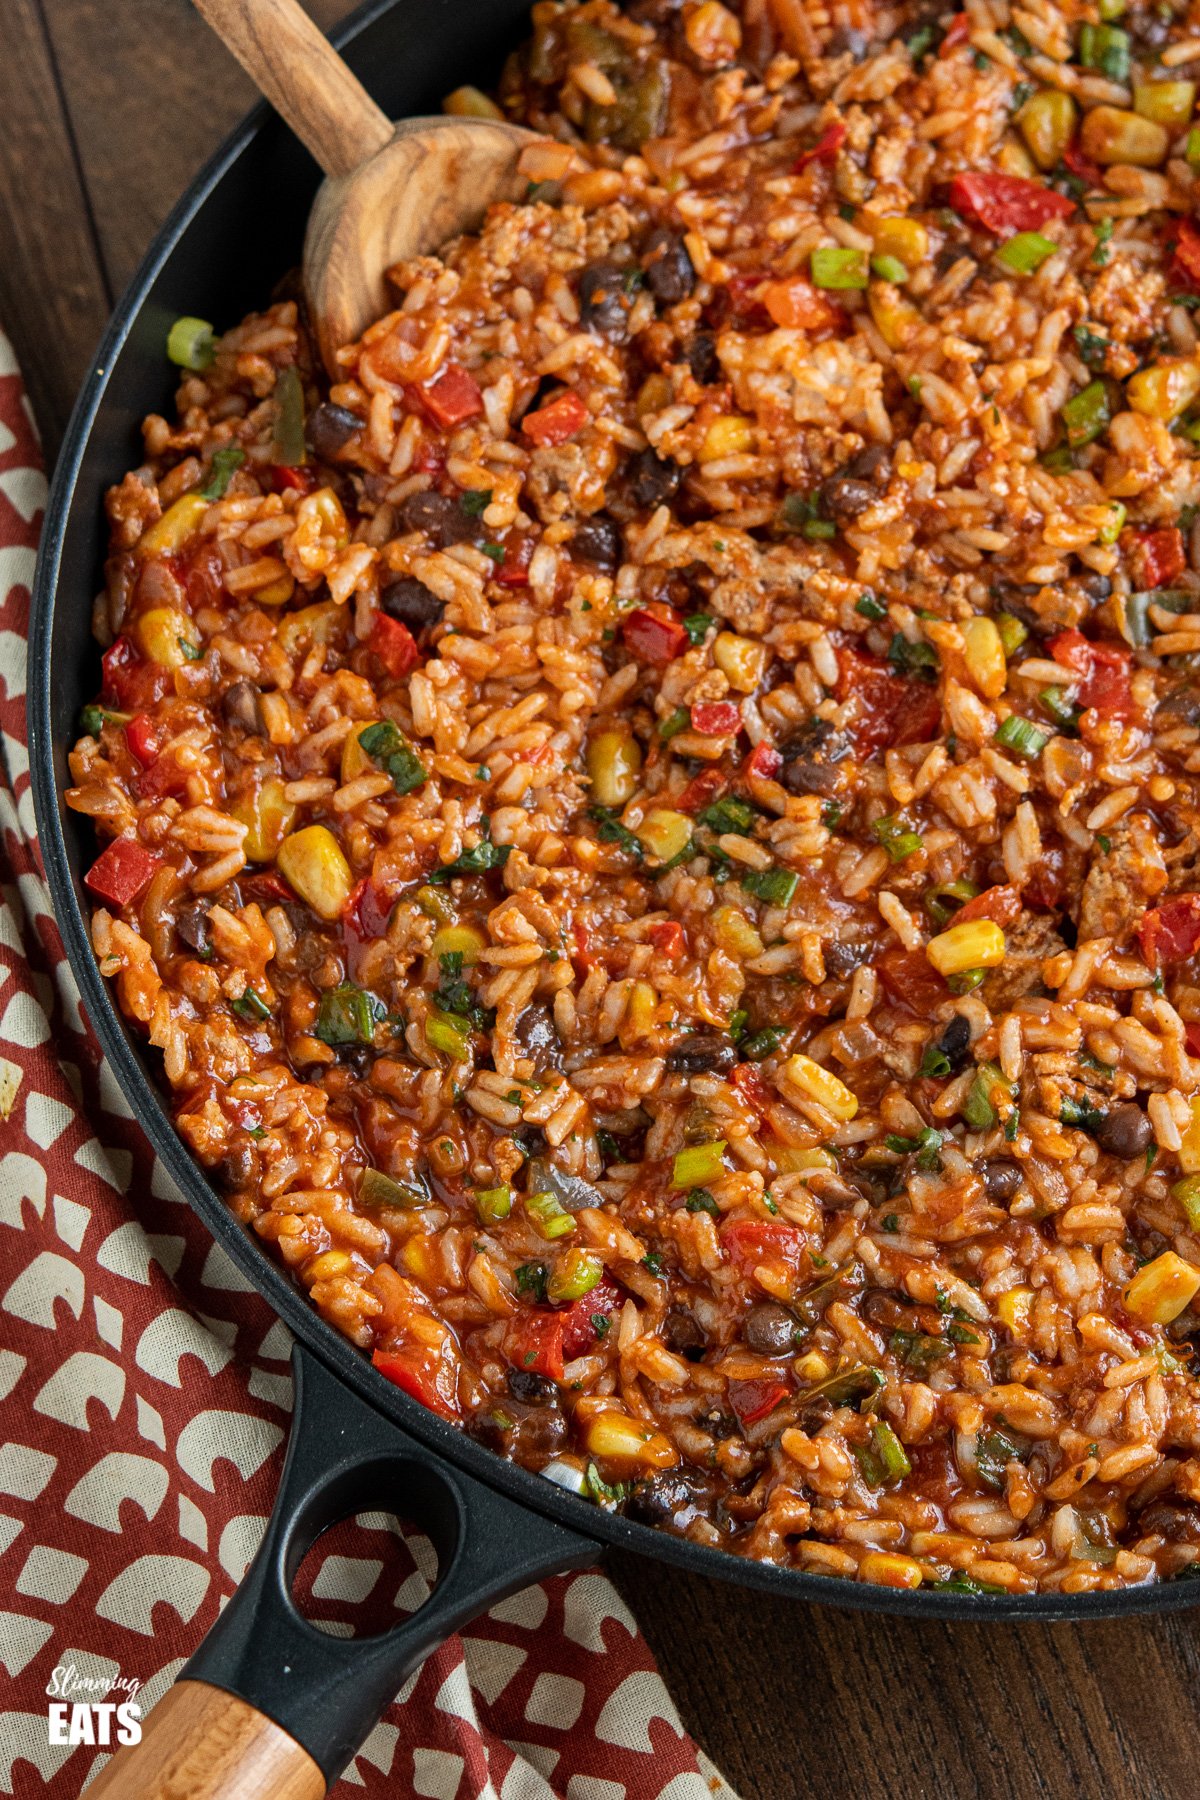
(272, 1707)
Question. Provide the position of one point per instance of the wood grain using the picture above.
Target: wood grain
(791, 1701)
(201, 1744)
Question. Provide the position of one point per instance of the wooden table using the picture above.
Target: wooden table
(107, 112)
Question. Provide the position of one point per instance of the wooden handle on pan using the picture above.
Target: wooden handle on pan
(303, 77)
(201, 1744)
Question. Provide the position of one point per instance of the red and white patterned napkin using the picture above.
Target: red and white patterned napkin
(144, 1398)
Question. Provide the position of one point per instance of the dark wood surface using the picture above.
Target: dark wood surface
(105, 114)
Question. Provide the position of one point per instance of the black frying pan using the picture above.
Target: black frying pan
(357, 1441)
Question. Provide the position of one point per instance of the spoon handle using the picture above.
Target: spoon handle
(303, 77)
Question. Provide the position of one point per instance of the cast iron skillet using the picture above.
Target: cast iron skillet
(357, 1440)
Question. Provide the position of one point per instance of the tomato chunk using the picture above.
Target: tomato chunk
(450, 400)
(657, 636)
(1185, 259)
(764, 762)
(753, 1400)
(824, 150)
(1007, 203)
(669, 939)
(699, 792)
(557, 421)
(752, 1090)
(393, 643)
(910, 977)
(366, 913)
(142, 737)
(581, 1333)
(795, 304)
(430, 1375)
(535, 1342)
(1082, 165)
(1001, 904)
(518, 554)
(284, 478)
(716, 718)
(1103, 672)
(1157, 555)
(122, 872)
(892, 709)
(1170, 933)
(131, 684)
(756, 1243)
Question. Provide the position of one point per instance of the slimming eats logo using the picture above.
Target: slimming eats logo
(93, 1709)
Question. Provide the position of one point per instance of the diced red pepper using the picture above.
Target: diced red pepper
(824, 150)
(557, 421)
(366, 913)
(1001, 904)
(716, 718)
(583, 954)
(143, 740)
(911, 978)
(747, 1082)
(957, 32)
(892, 709)
(450, 400)
(580, 1335)
(267, 886)
(535, 1342)
(1007, 203)
(669, 939)
(701, 791)
(656, 636)
(518, 554)
(1170, 933)
(122, 872)
(763, 763)
(284, 478)
(393, 643)
(429, 1375)
(753, 1243)
(1156, 556)
(1103, 672)
(165, 776)
(795, 304)
(1191, 1032)
(1082, 165)
(1185, 258)
(753, 1400)
(131, 684)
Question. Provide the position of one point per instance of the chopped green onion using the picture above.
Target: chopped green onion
(1064, 712)
(966, 980)
(1026, 252)
(385, 745)
(736, 1028)
(549, 1218)
(869, 607)
(730, 815)
(576, 1275)
(1087, 414)
(698, 1165)
(897, 838)
(899, 1146)
(913, 659)
(935, 1064)
(697, 626)
(190, 343)
(1092, 347)
(378, 1189)
(91, 719)
(290, 448)
(1059, 461)
(493, 1204)
(760, 1045)
(774, 886)
(978, 1108)
(889, 268)
(840, 269)
(531, 1278)
(224, 462)
(251, 1005)
(348, 1015)
(700, 1200)
(883, 1459)
(448, 1033)
(1105, 47)
(475, 501)
(674, 723)
(929, 1143)
(610, 830)
(1012, 632)
(1022, 736)
(943, 901)
(849, 1387)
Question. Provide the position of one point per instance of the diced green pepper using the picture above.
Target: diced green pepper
(1026, 252)
(774, 886)
(448, 1033)
(493, 1204)
(698, 1165)
(290, 448)
(1105, 47)
(1087, 414)
(839, 268)
(378, 1189)
(897, 837)
(1022, 736)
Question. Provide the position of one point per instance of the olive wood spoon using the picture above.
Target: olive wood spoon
(390, 192)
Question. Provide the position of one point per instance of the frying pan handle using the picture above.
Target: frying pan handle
(271, 1708)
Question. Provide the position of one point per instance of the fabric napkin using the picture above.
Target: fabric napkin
(144, 1400)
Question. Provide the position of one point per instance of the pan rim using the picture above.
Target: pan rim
(439, 1438)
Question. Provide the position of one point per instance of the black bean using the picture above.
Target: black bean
(358, 1058)
(770, 1329)
(1096, 587)
(654, 479)
(1001, 1179)
(538, 1036)
(240, 705)
(531, 1435)
(811, 757)
(606, 299)
(844, 498)
(1179, 1524)
(441, 518)
(410, 601)
(236, 1167)
(702, 1054)
(702, 359)
(683, 1333)
(955, 1041)
(669, 272)
(1148, 28)
(869, 463)
(328, 427)
(192, 927)
(675, 1497)
(842, 959)
(523, 1384)
(1182, 703)
(598, 540)
(1124, 1131)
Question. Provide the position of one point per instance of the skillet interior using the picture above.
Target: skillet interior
(218, 256)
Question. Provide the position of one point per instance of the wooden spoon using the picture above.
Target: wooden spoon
(391, 191)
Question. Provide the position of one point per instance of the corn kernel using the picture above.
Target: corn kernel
(312, 861)
(1111, 135)
(741, 660)
(895, 317)
(664, 833)
(1047, 123)
(712, 32)
(1166, 389)
(1170, 103)
(355, 761)
(1189, 1149)
(979, 944)
(1162, 1290)
(276, 593)
(653, 395)
(311, 625)
(168, 534)
(811, 1368)
(325, 506)
(803, 1162)
(1013, 1308)
(328, 1266)
(728, 435)
(459, 940)
(614, 762)
(470, 103)
(986, 662)
(1014, 158)
(734, 932)
(422, 1259)
(641, 1014)
(165, 635)
(887, 1569)
(267, 816)
(618, 1438)
(905, 239)
(812, 1082)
